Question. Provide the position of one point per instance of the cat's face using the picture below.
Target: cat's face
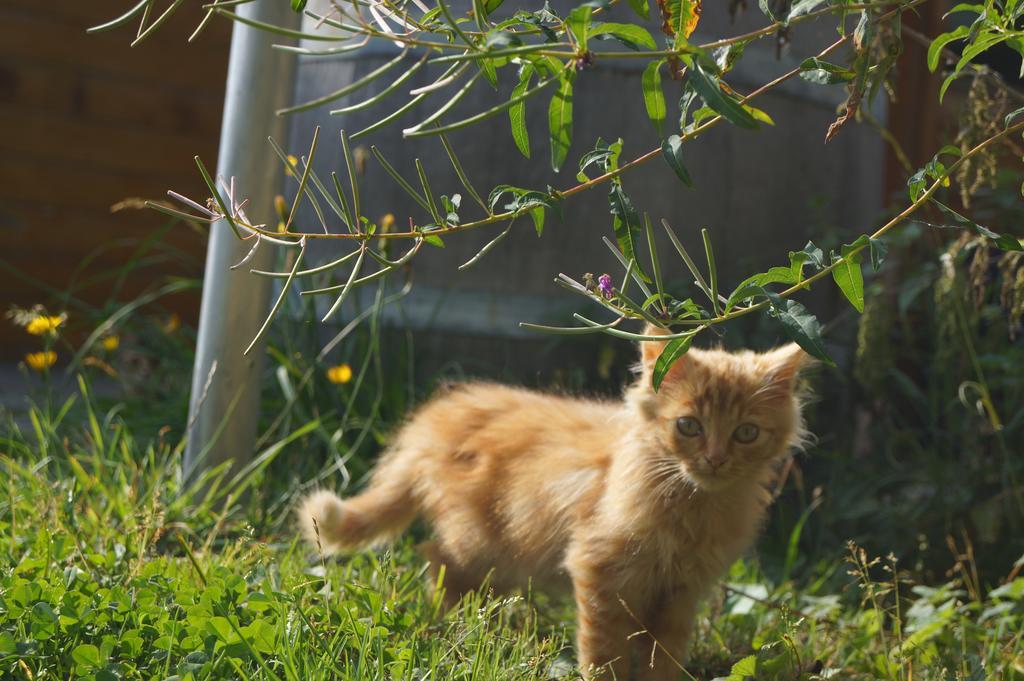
(724, 416)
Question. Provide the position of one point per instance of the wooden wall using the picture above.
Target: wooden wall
(87, 121)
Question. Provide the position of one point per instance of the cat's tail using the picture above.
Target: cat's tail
(378, 514)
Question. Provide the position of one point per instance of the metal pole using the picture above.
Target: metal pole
(224, 405)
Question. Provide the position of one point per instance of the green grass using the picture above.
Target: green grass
(110, 567)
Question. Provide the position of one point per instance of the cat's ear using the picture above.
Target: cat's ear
(650, 351)
(784, 365)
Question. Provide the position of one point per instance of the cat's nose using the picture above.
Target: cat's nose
(715, 460)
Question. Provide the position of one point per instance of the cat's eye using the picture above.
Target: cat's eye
(746, 433)
(689, 426)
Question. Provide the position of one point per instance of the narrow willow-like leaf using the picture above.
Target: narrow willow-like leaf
(630, 264)
(215, 193)
(629, 33)
(709, 89)
(431, 205)
(567, 330)
(618, 333)
(517, 111)
(504, 52)
(445, 108)
(350, 164)
(560, 120)
(493, 111)
(326, 267)
(671, 353)
(941, 41)
(397, 177)
(320, 187)
(453, 73)
(487, 247)
(303, 181)
(171, 9)
(350, 220)
(325, 52)
(280, 298)
(398, 113)
(294, 169)
(348, 284)
(684, 254)
(709, 253)
(290, 33)
(398, 82)
(250, 255)
(370, 277)
(655, 265)
(578, 23)
(121, 20)
(175, 213)
(654, 98)
(463, 178)
(351, 87)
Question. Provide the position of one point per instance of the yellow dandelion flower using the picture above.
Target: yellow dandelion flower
(41, 361)
(387, 222)
(292, 163)
(111, 342)
(339, 374)
(42, 324)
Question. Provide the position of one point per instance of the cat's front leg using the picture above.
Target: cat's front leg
(663, 649)
(603, 626)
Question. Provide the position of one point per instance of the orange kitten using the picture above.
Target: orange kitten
(640, 505)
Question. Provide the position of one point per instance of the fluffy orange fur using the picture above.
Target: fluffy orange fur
(639, 504)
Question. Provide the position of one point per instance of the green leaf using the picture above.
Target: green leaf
(878, 251)
(654, 98)
(298, 5)
(434, 240)
(940, 42)
(754, 284)
(604, 155)
(683, 18)
(1012, 116)
(709, 89)
(641, 8)
(560, 120)
(1005, 242)
(631, 35)
(537, 215)
(626, 224)
(578, 22)
(849, 278)
(744, 668)
(672, 351)
(821, 72)
(672, 151)
(87, 656)
(802, 327)
(500, 40)
(517, 112)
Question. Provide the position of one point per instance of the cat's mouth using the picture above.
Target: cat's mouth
(711, 478)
